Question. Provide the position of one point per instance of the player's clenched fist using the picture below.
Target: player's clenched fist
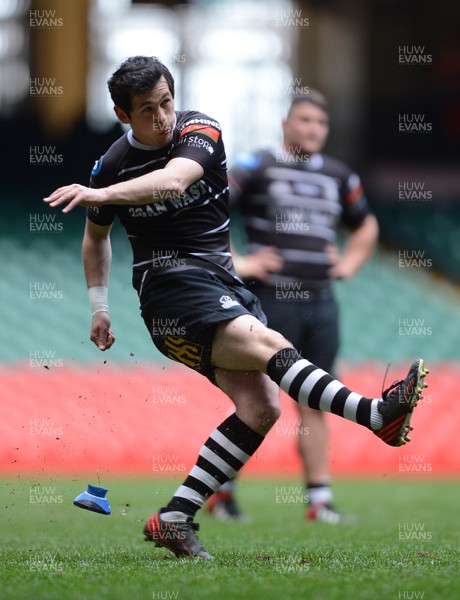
(101, 333)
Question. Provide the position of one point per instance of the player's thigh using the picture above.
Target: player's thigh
(185, 312)
(245, 344)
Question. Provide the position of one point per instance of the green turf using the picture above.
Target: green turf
(403, 546)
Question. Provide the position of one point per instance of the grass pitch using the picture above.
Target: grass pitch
(404, 545)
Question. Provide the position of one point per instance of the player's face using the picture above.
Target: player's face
(305, 129)
(152, 115)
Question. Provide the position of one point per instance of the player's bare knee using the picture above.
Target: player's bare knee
(272, 413)
(271, 342)
(264, 415)
(267, 410)
(277, 340)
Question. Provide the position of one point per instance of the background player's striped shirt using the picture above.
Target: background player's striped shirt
(295, 204)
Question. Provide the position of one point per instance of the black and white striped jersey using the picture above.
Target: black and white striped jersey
(295, 203)
(194, 224)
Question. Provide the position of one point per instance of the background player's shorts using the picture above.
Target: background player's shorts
(311, 325)
(182, 310)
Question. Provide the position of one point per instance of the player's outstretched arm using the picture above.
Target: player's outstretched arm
(74, 195)
(160, 185)
(97, 258)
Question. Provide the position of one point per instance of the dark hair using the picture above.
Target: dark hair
(137, 75)
(313, 97)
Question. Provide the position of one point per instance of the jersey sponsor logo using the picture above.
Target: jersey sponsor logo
(148, 210)
(197, 142)
(197, 191)
(208, 130)
(227, 302)
(97, 166)
(183, 351)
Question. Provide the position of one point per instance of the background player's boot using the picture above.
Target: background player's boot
(223, 507)
(179, 537)
(326, 513)
(398, 402)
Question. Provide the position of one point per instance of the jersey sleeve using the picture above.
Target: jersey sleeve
(355, 204)
(200, 140)
(100, 215)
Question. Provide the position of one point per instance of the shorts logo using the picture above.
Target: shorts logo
(183, 351)
(227, 302)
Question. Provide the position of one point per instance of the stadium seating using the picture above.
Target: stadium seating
(389, 313)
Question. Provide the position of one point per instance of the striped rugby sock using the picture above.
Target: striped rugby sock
(226, 450)
(318, 493)
(307, 384)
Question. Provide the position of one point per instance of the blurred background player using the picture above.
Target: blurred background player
(292, 201)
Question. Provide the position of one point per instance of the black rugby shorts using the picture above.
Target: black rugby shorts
(182, 310)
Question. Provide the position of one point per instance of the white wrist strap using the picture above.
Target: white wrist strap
(99, 299)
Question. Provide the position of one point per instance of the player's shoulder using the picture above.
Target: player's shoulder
(107, 164)
(189, 118)
(333, 167)
(329, 165)
(253, 160)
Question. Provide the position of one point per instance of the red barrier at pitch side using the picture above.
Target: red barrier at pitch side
(151, 421)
